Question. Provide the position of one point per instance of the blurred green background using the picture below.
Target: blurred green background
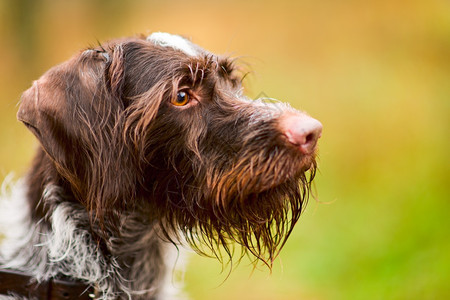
(376, 73)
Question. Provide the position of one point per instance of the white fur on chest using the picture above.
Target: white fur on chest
(69, 249)
(15, 223)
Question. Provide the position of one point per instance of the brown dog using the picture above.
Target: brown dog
(148, 143)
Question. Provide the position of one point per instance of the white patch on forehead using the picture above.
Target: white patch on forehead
(174, 41)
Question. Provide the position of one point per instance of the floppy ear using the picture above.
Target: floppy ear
(51, 108)
(77, 119)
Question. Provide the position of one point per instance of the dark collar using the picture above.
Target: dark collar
(21, 284)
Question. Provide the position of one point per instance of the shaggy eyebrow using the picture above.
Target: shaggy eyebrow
(226, 66)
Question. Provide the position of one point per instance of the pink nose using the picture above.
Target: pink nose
(302, 131)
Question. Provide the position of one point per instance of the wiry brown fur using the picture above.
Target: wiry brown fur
(213, 174)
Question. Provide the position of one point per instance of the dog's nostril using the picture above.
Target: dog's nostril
(309, 138)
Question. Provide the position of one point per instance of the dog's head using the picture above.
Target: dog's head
(160, 126)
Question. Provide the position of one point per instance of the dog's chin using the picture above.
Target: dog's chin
(308, 163)
(302, 170)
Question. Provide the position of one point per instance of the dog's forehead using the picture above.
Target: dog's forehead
(175, 42)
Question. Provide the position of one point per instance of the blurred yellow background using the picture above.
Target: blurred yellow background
(375, 73)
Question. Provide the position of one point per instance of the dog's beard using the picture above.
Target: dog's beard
(259, 220)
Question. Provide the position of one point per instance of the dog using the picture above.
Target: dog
(146, 145)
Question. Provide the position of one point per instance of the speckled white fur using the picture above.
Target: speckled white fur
(67, 248)
(15, 229)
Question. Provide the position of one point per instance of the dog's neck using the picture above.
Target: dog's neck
(65, 235)
(42, 175)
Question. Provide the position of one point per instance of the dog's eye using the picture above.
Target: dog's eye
(181, 99)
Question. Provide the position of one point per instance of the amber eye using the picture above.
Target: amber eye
(181, 99)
